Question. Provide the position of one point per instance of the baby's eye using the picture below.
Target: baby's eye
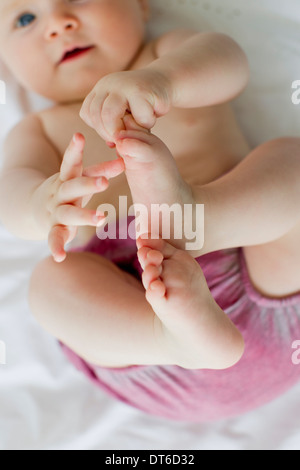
(25, 20)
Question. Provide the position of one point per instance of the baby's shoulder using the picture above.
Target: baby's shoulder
(60, 119)
(172, 40)
(161, 45)
(28, 146)
(30, 125)
(34, 130)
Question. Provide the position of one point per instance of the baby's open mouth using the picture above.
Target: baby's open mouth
(74, 53)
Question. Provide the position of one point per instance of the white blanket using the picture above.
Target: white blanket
(44, 402)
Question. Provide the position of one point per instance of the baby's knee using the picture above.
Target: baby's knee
(290, 144)
(51, 282)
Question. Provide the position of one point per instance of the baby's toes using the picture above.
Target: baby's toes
(155, 244)
(151, 274)
(148, 256)
(156, 291)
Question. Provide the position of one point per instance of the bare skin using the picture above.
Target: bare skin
(179, 87)
(223, 346)
(183, 325)
(178, 322)
(190, 135)
(191, 321)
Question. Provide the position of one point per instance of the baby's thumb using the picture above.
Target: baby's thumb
(71, 166)
(131, 125)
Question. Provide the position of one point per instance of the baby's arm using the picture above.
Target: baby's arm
(257, 202)
(192, 70)
(29, 159)
(43, 196)
(203, 69)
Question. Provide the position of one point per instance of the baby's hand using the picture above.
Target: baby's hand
(66, 194)
(143, 93)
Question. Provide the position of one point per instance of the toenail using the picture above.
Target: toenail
(156, 255)
(149, 254)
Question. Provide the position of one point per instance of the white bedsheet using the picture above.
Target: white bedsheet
(44, 402)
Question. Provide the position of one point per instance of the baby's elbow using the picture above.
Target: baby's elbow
(237, 64)
(240, 67)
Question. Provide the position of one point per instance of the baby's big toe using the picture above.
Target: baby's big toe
(147, 257)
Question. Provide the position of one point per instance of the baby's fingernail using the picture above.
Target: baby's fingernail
(111, 145)
(99, 219)
(59, 258)
(102, 221)
(100, 214)
(77, 138)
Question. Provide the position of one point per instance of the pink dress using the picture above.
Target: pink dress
(266, 371)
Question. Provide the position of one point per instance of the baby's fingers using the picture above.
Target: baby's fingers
(107, 169)
(58, 237)
(78, 217)
(113, 110)
(71, 166)
(81, 187)
(90, 113)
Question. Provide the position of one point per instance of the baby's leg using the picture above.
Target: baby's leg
(154, 180)
(97, 310)
(101, 313)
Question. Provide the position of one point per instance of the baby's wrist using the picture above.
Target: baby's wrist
(162, 86)
(40, 214)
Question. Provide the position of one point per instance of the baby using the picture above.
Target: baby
(173, 344)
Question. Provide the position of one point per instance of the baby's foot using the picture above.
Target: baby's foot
(152, 174)
(196, 332)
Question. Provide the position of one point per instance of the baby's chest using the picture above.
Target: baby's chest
(180, 131)
(189, 135)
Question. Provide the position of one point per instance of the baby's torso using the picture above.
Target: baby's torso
(205, 142)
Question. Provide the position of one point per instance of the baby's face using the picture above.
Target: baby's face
(61, 48)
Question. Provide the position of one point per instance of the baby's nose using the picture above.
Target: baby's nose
(59, 24)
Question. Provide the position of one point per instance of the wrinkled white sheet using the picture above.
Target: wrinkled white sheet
(44, 402)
